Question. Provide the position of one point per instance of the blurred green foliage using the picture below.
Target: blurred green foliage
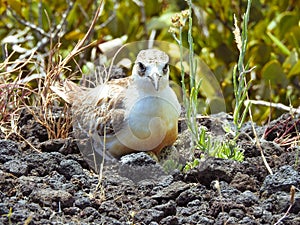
(274, 37)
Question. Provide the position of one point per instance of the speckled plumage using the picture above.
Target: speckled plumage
(136, 113)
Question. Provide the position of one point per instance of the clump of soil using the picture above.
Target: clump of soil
(56, 186)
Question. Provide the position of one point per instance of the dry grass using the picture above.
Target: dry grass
(25, 85)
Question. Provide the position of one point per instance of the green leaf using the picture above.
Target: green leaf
(291, 60)
(287, 21)
(158, 23)
(295, 70)
(74, 35)
(273, 72)
(16, 5)
(280, 45)
(260, 53)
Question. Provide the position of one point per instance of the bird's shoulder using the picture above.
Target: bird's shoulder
(105, 106)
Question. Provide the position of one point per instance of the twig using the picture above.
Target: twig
(258, 143)
(292, 201)
(28, 24)
(274, 105)
(63, 21)
(44, 36)
(111, 17)
(16, 62)
(141, 4)
(79, 46)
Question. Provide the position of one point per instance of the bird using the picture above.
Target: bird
(138, 113)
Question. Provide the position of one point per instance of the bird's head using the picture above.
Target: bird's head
(151, 70)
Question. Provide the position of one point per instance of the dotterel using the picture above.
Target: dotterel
(132, 114)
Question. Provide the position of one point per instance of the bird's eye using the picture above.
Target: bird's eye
(142, 69)
(165, 69)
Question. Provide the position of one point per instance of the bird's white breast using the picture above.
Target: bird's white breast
(149, 117)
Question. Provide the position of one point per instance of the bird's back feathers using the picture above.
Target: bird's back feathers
(69, 91)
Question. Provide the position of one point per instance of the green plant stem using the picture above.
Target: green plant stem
(240, 84)
(244, 39)
(191, 46)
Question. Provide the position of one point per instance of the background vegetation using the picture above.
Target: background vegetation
(37, 35)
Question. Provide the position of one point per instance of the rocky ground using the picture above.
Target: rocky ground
(52, 184)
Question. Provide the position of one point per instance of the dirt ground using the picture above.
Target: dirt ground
(54, 185)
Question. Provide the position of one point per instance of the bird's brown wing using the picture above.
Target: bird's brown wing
(101, 109)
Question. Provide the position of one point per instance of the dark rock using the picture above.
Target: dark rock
(282, 180)
(169, 208)
(146, 186)
(249, 147)
(152, 223)
(186, 211)
(47, 197)
(71, 211)
(105, 220)
(169, 220)
(137, 159)
(268, 205)
(296, 206)
(9, 150)
(81, 181)
(64, 146)
(212, 169)
(82, 202)
(16, 167)
(26, 184)
(147, 202)
(177, 175)
(55, 189)
(186, 197)
(7, 184)
(248, 221)
(254, 168)
(199, 218)
(215, 122)
(148, 215)
(221, 204)
(282, 200)
(237, 213)
(247, 198)
(171, 191)
(266, 217)
(291, 219)
(52, 145)
(222, 218)
(271, 148)
(34, 206)
(19, 215)
(227, 191)
(109, 208)
(165, 181)
(140, 166)
(57, 181)
(69, 168)
(43, 163)
(195, 192)
(257, 211)
(193, 203)
(232, 221)
(89, 213)
(30, 128)
(4, 208)
(244, 182)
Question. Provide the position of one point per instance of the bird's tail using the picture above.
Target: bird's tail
(68, 92)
